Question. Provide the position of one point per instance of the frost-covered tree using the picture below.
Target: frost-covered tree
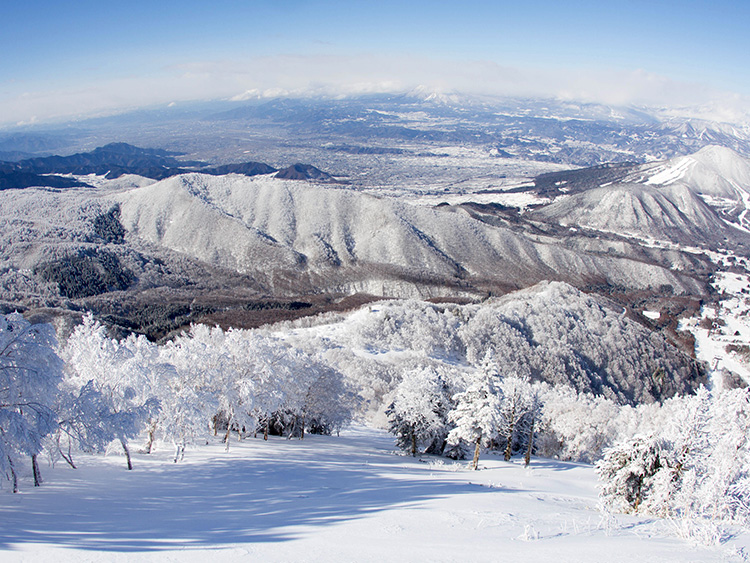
(477, 415)
(329, 402)
(189, 400)
(260, 368)
(516, 393)
(577, 426)
(30, 371)
(417, 414)
(714, 459)
(628, 472)
(695, 466)
(115, 394)
(531, 419)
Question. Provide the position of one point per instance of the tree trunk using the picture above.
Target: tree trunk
(179, 453)
(413, 444)
(530, 445)
(68, 458)
(229, 431)
(475, 461)
(127, 454)
(509, 445)
(151, 432)
(36, 472)
(638, 493)
(265, 428)
(13, 476)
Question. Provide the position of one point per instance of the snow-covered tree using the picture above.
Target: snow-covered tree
(477, 415)
(531, 419)
(713, 452)
(188, 398)
(417, 414)
(695, 466)
(111, 386)
(516, 393)
(30, 371)
(628, 472)
(329, 402)
(577, 426)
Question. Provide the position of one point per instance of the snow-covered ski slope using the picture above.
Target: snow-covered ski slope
(347, 498)
(722, 332)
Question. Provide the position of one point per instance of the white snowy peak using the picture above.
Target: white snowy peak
(714, 171)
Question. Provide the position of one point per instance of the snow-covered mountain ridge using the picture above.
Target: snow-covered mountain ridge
(699, 200)
(264, 228)
(305, 240)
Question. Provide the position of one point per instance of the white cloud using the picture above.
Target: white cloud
(280, 75)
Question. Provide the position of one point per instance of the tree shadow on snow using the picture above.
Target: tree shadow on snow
(228, 500)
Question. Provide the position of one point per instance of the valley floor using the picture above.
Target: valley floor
(347, 498)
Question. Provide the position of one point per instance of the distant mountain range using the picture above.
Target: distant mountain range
(201, 220)
(117, 159)
(544, 130)
(416, 122)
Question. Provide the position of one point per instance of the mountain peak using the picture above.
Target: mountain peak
(718, 155)
(301, 171)
(130, 150)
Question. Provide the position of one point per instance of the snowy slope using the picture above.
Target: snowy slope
(722, 331)
(697, 200)
(715, 171)
(347, 498)
(718, 174)
(673, 212)
(352, 241)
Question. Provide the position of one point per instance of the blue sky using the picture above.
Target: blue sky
(61, 59)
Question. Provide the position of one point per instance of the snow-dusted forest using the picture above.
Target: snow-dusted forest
(521, 377)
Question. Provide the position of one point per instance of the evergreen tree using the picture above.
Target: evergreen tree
(477, 414)
(628, 470)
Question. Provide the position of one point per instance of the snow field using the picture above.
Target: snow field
(347, 498)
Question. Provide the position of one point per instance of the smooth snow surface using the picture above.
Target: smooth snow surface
(348, 498)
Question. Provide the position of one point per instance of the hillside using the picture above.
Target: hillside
(672, 213)
(550, 332)
(297, 236)
(697, 200)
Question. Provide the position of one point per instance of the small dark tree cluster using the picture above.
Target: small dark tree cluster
(86, 274)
